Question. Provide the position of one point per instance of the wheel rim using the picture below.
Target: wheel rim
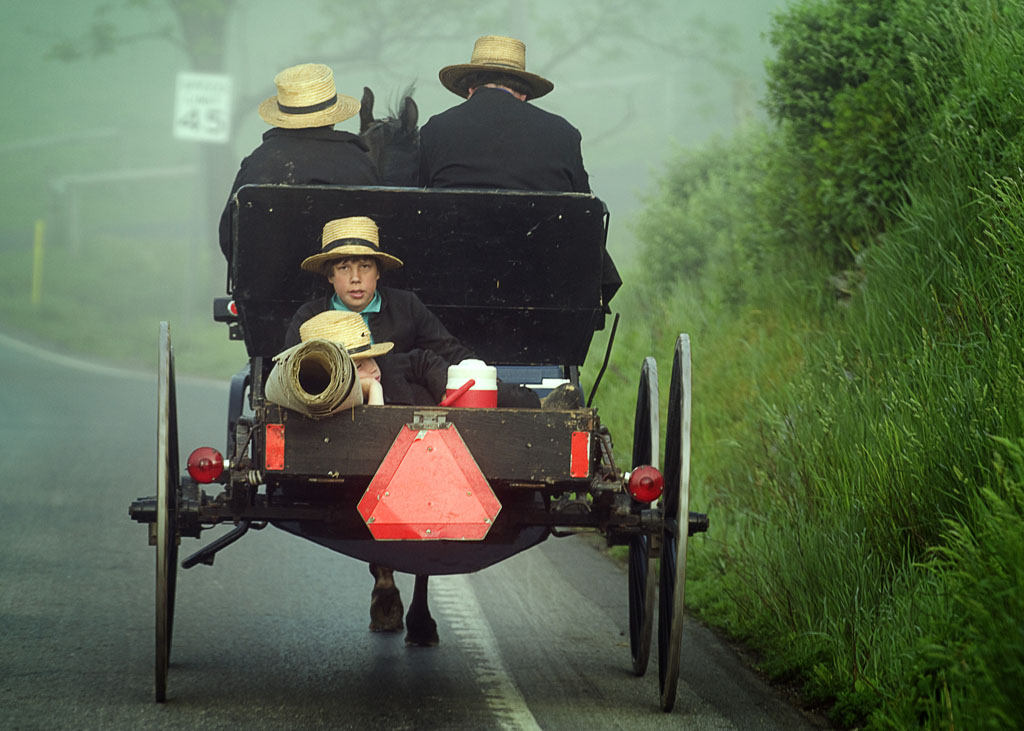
(167, 509)
(641, 577)
(676, 511)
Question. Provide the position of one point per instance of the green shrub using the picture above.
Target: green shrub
(838, 86)
(863, 537)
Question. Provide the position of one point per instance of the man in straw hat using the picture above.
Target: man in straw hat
(495, 139)
(303, 147)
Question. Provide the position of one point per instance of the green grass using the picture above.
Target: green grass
(105, 302)
(860, 458)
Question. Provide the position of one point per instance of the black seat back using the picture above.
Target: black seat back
(516, 276)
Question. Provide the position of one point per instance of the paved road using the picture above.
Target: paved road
(274, 636)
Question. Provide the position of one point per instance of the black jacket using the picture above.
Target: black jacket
(494, 140)
(312, 156)
(403, 320)
(417, 378)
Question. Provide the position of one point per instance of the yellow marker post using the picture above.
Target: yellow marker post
(37, 263)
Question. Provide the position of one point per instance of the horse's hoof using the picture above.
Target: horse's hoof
(385, 610)
(423, 636)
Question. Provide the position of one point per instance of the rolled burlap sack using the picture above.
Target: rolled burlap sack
(316, 378)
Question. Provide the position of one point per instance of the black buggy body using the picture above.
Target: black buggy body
(517, 278)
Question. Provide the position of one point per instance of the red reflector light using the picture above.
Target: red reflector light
(274, 456)
(579, 459)
(646, 484)
(205, 465)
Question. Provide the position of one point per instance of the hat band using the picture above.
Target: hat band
(359, 349)
(309, 109)
(501, 65)
(338, 243)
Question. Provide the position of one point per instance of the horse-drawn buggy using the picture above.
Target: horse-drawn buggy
(432, 490)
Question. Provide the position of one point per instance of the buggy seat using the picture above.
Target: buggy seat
(515, 276)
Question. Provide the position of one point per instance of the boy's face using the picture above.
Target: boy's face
(368, 369)
(355, 281)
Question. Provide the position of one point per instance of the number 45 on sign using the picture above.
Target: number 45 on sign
(202, 107)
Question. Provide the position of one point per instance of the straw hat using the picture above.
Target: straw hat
(495, 53)
(352, 236)
(306, 97)
(345, 328)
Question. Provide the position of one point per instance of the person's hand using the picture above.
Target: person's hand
(373, 394)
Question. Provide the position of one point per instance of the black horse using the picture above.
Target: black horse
(394, 148)
(394, 141)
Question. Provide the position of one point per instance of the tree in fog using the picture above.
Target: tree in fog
(391, 36)
(198, 28)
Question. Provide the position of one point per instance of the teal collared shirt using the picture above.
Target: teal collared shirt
(374, 306)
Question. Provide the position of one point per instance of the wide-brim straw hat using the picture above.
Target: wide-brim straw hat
(306, 97)
(352, 236)
(495, 53)
(348, 329)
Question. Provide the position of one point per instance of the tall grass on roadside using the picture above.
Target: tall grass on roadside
(859, 460)
(968, 672)
(854, 458)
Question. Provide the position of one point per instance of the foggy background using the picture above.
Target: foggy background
(87, 143)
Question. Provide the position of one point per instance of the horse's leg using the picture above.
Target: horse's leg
(421, 629)
(385, 601)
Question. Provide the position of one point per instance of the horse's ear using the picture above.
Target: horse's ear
(410, 115)
(366, 110)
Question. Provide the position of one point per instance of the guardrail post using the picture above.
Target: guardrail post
(37, 262)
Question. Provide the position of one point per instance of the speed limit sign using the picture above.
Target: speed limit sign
(202, 107)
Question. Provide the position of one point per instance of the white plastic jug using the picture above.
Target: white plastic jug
(484, 391)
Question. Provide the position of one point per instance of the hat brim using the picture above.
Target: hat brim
(453, 78)
(316, 262)
(345, 108)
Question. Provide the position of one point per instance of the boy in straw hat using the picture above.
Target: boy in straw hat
(415, 372)
(351, 258)
(418, 377)
(303, 147)
(495, 139)
(349, 330)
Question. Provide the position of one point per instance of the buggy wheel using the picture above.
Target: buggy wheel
(167, 489)
(676, 512)
(641, 577)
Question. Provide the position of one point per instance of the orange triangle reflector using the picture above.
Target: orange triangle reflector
(429, 487)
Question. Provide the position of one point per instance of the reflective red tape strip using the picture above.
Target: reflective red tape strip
(274, 458)
(579, 461)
